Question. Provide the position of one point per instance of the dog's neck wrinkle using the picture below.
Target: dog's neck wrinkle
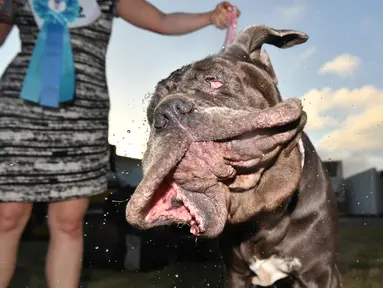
(273, 218)
(264, 212)
(254, 233)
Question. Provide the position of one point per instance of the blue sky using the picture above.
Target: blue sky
(337, 72)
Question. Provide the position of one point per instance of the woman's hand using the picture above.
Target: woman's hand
(146, 16)
(221, 14)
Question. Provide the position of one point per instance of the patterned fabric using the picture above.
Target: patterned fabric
(56, 154)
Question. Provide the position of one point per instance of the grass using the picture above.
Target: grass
(360, 262)
(361, 257)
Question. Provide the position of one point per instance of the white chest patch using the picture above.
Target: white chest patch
(89, 12)
(301, 149)
(272, 269)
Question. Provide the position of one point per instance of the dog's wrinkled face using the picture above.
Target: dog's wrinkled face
(222, 145)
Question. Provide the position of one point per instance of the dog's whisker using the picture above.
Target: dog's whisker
(120, 201)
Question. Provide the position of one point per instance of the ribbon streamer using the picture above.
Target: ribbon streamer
(231, 27)
(50, 78)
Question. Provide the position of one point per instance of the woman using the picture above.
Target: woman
(54, 109)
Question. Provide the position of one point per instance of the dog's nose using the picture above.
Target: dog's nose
(174, 108)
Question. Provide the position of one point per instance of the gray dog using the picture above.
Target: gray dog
(229, 158)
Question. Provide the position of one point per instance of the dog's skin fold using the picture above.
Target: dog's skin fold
(223, 157)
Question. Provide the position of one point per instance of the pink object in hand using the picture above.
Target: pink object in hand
(231, 27)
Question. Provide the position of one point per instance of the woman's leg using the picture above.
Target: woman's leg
(13, 219)
(64, 261)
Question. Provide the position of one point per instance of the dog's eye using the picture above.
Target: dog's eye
(214, 82)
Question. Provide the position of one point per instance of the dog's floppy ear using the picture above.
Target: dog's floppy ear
(268, 164)
(248, 44)
(249, 41)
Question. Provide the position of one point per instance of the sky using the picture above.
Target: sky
(337, 72)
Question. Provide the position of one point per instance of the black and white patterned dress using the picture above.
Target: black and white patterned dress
(56, 154)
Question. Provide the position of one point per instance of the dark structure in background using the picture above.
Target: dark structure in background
(335, 172)
(358, 195)
(112, 174)
(365, 193)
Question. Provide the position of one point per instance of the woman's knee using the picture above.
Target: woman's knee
(14, 216)
(67, 217)
(66, 225)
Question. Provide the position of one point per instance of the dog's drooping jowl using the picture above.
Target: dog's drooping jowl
(229, 158)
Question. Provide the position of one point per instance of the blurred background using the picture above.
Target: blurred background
(337, 74)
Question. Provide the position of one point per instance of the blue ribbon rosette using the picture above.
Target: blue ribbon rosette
(50, 79)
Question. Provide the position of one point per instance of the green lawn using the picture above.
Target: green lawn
(360, 261)
(361, 257)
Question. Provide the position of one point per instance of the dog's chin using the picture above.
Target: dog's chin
(205, 213)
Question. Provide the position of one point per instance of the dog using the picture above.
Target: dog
(228, 157)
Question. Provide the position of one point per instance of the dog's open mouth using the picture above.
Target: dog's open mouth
(178, 189)
(169, 203)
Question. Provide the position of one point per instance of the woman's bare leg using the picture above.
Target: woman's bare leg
(13, 219)
(64, 261)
